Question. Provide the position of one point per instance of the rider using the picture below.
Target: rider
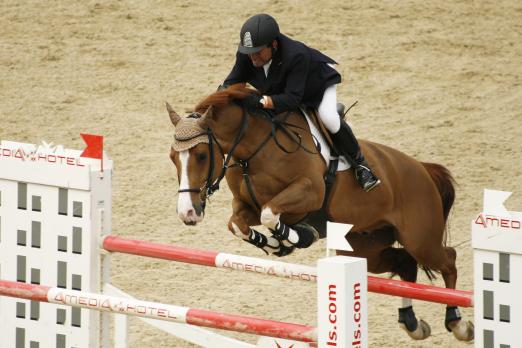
(288, 73)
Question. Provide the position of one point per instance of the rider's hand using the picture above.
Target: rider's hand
(253, 101)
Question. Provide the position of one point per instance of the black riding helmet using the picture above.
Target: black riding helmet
(257, 32)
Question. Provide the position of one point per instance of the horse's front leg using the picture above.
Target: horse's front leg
(297, 200)
(243, 216)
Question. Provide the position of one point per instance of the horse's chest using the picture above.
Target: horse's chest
(259, 187)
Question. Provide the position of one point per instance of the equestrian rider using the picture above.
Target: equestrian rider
(288, 73)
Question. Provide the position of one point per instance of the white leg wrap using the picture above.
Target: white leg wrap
(406, 302)
(237, 232)
(273, 243)
(269, 219)
(293, 237)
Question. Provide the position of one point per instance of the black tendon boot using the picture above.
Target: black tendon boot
(346, 144)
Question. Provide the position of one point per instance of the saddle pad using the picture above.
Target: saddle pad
(325, 148)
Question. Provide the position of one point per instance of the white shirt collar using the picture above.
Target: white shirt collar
(266, 67)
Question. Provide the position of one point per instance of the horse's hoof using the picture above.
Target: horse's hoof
(284, 250)
(422, 332)
(462, 330)
(307, 234)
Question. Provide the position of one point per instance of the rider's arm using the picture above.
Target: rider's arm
(295, 84)
(239, 72)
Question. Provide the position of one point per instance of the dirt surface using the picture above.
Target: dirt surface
(438, 80)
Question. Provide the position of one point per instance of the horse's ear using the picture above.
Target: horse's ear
(174, 117)
(206, 118)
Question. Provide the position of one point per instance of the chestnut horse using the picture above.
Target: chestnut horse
(276, 177)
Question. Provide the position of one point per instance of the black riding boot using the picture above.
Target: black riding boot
(346, 145)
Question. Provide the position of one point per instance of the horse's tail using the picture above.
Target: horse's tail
(445, 183)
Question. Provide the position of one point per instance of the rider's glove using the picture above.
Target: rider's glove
(253, 101)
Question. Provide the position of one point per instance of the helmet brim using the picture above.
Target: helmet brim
(249, 50)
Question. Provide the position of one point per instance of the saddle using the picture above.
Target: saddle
(322, 137)
(312, 114)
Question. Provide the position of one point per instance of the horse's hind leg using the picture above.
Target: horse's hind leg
(437, 257)
(403, 264)
(382, 257)
(462, 330)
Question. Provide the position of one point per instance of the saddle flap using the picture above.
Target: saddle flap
(319, 125)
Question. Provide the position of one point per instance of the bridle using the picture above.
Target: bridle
(212, 186)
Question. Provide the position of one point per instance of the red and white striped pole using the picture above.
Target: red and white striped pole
(160, 311)
(282, 269)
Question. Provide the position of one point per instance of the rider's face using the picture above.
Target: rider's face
(261, 57)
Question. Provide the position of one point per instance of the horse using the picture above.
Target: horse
(277, 180)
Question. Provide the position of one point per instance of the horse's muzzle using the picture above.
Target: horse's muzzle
(193, 215)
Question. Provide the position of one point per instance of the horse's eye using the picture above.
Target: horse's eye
(201, 156)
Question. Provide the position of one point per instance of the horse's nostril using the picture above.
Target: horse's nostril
(199, 210)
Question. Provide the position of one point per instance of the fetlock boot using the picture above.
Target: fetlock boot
(346, 145)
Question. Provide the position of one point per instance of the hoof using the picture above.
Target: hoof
(422, 331)
(308, 235)
(284, 250)
(462, 330)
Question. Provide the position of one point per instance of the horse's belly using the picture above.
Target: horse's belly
(350, 204)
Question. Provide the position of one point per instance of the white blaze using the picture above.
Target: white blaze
(184, 201)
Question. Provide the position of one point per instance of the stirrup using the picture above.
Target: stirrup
(371, 185)
(368, 183)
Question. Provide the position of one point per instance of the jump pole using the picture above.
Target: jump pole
(159, 311)
(280, 269)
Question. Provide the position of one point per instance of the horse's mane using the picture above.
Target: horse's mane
(224, 97)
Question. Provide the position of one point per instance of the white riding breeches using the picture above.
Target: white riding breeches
(328, 110)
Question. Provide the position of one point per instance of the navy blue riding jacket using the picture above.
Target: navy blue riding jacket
(298, 75)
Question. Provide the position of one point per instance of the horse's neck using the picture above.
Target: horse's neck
(229, 125)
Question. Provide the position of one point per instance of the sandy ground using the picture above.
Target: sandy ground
(438, 80)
